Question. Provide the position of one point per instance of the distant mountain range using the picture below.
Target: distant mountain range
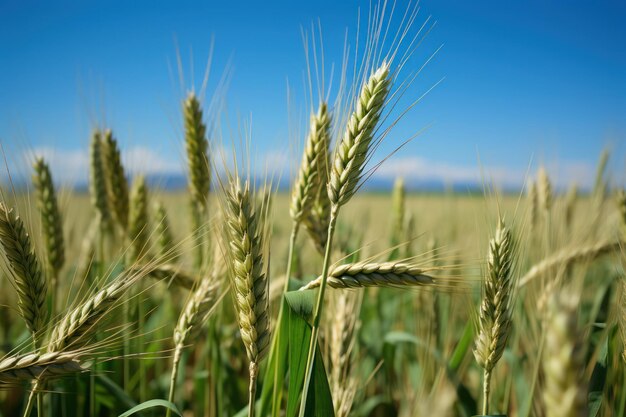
(176, 182)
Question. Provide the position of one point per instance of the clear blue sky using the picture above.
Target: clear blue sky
(536, 79)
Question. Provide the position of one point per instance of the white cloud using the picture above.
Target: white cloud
(422, 169)
(71, 167)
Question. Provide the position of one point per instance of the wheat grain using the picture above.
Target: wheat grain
(385, 274)
(29, 282)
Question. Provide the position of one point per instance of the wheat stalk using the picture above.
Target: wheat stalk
(19, 368)
(564, 392)
(385, 274)
(244, 229)
(138, 219)
(97, 180)
(29, 282)
(117, 185)
(569, 256)
(353, 150)
(496, 307)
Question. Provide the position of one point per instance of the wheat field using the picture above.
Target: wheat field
(237, 297)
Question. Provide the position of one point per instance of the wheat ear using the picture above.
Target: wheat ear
(314, 161)
(78, 324)
(19, 368)
(316, 222)
(533, 202)
(569, 256)
(385, 274)
(138, 232)
(564, 392)
(51, 222)
(117, 185)
(197, 145)
(190, 323)
(496, 306)
(166, 246)
(544, 190)
(352, 152)
(244, 229)
(344, 323)
(398, 198)
(570, 204)
(30, 283)
(97, 180)
(621, 207)
(171, 273)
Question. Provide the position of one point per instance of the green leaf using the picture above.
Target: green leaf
(299, 312)
(462, 347)
(151, 404)
(276, 370)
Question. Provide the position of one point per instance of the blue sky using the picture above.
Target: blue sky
(522, 81)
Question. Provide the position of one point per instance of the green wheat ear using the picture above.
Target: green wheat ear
(495, 309)
(51, 221)
(197, 146)
(352, 152)
(117, 185)
(138, 232)
(313, 166)
(29, 282)
(97, 181)
(244, 229)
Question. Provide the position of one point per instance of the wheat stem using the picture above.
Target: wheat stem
(486, 390)
(318, 308)
(254, 374)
